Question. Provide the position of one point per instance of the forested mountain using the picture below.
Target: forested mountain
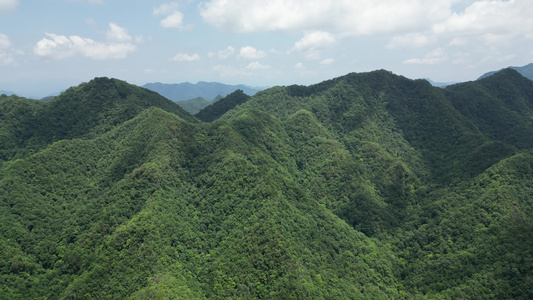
(194, 105)
(207, 90)
(217, 109)
(366, 186)
(526, 71)
(84, 111)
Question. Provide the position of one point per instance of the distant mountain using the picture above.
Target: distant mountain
(207, 90)
(526, 71)
(8, 93)
(439, 84)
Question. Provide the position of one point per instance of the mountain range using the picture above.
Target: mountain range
(365, 186)
(206, 90)
(526, 71)
(8, 93)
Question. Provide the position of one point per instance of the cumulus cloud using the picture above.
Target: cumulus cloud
(7, 53)
(166, 8)
(88, 1)
(357, 17)
(257, 66)
(495, 16)
(327, 61)
(313, 43)
(118, 34)
(4, 41)
(8, 5)
(175, 20)
(432, 58)
(174, 17)
(117, 46)
(461, 24)
(314, 40)
(185, 57)
(410, 40)
(249, 52)
(458, 41)
(222, 54)
(229, 71)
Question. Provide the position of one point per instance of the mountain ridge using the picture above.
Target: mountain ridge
(368, 186)
(526, 71)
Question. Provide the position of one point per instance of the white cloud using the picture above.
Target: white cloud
(152, 71)
(174, 17)
(257, 66)
(313, 43)
(368, 17)
(59, 46)
(314, 40)
(229, 71)
(432, 58)
(166, 8)
(185, 57)
(5, 43)
(175, 20)
(118, 34)
(410, 40)
(7, 53)
(299, 66)
(223, 54)
(357, 17)
(249, 52)
(88, 1)
(458, 41)
(327, 61)
(490, 16)
(8, 5)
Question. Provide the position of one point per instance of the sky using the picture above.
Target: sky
(47, 46)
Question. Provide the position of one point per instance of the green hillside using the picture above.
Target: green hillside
(217, 109)
(366, 186)
(84, 111)
(194, 105)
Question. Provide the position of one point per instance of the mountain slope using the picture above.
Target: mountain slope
(410, 121)
(144, 199)
(217, 109)
(475, 239)
(500, 105)
(366, 186)
(83, 111)
(193, 106)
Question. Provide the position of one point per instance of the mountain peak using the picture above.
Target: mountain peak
(526, 71)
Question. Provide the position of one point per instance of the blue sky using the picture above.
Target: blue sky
(49, 45)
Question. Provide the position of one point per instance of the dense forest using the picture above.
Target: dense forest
(365, 186)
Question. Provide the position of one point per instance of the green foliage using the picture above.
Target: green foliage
(366, 186)
(84, 111)
(218, 108)
(193, 106)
